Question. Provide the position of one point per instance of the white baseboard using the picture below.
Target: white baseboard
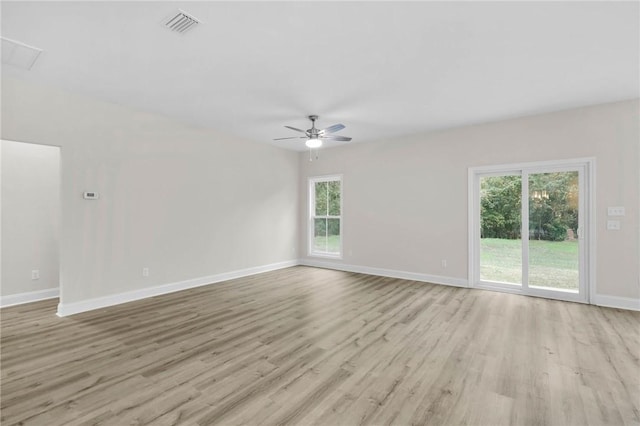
(65, 309)
(392, 273)
(32, 296)
(616, 302)
(598, 299)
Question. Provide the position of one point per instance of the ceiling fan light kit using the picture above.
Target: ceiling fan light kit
(314, 137)
(313, 143)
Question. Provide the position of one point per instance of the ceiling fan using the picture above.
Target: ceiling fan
(315, 137)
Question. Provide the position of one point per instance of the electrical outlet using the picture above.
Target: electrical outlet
(145, 272)
(444, 263)
(35, 274)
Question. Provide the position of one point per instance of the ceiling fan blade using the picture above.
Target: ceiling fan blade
(297, 130)
(336, 138)
(292, 137)
(332, 129)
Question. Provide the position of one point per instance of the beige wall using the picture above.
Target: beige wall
(405, 200)
(30, 217)
(182, 201)
(188, 202)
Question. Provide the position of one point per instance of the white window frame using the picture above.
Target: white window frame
(311, 216)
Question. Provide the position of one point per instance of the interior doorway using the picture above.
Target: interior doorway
(30, 223)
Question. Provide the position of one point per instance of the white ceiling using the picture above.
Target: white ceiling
(384, 69)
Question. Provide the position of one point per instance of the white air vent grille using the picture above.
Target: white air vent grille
(180, 22)
(19, 54)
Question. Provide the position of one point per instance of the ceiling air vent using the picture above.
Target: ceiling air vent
(19, 54)
(180, 22)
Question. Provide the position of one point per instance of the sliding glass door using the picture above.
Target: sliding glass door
(528, 229)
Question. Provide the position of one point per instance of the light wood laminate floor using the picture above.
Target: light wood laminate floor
(319, 347)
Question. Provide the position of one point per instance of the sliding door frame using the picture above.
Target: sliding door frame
(587, 232)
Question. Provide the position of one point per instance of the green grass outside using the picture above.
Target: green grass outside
(551, 263)
(330, 244)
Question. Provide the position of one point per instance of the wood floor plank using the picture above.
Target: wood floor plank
(306, 346)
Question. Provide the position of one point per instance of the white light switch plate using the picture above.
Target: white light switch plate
(615, 211)
(613, 225)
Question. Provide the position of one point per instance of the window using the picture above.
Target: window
(325, 216)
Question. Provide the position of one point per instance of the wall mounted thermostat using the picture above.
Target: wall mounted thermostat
(90, 195)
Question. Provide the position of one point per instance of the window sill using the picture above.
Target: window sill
(326, 255)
